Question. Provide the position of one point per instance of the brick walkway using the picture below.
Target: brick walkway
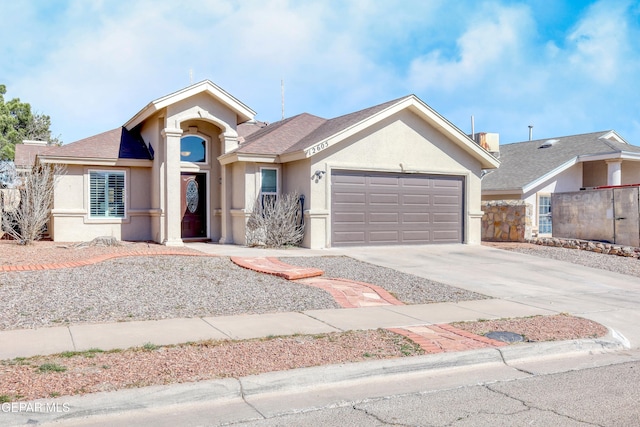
(445, 338)
(352, 294)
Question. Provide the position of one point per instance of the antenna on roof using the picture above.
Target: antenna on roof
(282, 96)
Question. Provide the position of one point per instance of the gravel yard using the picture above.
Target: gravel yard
(145, 288)
(407, 288)
(615, 263)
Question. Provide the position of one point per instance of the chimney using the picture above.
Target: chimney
(530, 132)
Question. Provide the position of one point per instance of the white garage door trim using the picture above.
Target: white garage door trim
(378, 208)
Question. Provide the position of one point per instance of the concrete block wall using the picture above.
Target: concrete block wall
(506, 221)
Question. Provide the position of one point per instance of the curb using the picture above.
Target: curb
(296, 381)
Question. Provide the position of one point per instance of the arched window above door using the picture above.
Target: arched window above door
(193, 149)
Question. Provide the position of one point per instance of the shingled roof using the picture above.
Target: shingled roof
(118, 143)
(522, 163)
(299, 132)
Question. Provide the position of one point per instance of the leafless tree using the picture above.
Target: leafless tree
(275, 222)
(27, 207)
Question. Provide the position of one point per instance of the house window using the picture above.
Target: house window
(193, 149)
(544, 214)
(269, 185)
(106, 194)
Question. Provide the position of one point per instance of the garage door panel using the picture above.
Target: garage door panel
(383, 199)
(387, 237)
(445, 218)
(415, 218)
(416, 199)
(440, 200)
(350, 180)
(349, 198)
(382, 180)
(350, 218)
(384, 217)
(445, 236)
(352, 237)
(446, 183)
(385, 208)
(416, 237)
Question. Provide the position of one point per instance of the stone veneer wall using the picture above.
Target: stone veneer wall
(506, 221)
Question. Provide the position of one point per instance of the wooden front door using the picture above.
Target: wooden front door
(194, 209)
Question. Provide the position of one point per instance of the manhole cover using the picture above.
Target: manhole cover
(505, 336)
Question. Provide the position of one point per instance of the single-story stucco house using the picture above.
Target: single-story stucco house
(191, 165)
(533, 170)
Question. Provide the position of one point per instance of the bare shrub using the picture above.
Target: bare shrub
(275, 222)
(26, 209)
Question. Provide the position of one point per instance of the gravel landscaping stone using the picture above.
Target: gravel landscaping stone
(614, 263)
(148, 288)
(407, 288)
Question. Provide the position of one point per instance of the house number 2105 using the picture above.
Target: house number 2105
(318, 147)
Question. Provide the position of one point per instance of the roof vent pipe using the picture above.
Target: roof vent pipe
(473, 129)
(530, 132)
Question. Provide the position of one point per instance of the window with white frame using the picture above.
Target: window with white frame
(544, 214)
(268, 185)
(106, 194)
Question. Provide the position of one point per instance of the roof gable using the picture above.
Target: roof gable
(243, 112)
(292, 139)
(525, 163)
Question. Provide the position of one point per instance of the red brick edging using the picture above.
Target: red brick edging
(280, 269)
(94, 260)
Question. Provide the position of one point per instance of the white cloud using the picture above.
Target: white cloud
(92, 65)
(494, 40)
(599, 44)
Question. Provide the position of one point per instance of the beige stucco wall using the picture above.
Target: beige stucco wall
(630, 172)
(401, 143)
(70, 215)
(298, 179)
(594, 174)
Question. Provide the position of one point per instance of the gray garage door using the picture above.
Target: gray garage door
(386, 209)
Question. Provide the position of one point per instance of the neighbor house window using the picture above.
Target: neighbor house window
(193, 149)
(544, 214)
(106, 194)
(269, 185)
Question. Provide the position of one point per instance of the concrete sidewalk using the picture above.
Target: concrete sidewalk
(121, 335)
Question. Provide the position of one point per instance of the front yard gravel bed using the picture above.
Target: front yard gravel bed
(407, 288)
(614, 263)
(148, 288)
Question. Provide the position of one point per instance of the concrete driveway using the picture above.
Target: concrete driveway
(609, 298)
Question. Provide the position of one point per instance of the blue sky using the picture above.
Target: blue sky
(565, 67)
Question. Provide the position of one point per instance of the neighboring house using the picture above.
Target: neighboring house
(192, 164)
(533, 170)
